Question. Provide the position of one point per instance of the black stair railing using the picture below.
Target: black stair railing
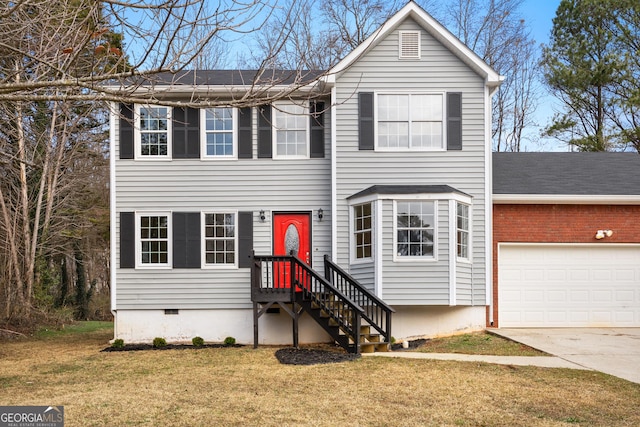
(314, 292)
(376, 312)
(288, 279)
(271, 278)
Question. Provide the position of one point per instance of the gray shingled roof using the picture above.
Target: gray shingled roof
(235, 77)
(566, 173)
(406, 189)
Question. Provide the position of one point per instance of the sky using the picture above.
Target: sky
(539, 14)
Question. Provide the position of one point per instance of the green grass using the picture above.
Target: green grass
(240, 386)
(74, 329)
(478, 343)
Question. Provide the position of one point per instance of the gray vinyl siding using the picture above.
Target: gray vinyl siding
(464, 284)
(364, 273)
(194, 185)
(440, 71)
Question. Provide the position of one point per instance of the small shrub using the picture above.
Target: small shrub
(197, 341)
(159, 342)
(229, 341)
(118, 343)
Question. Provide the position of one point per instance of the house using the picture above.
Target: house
(379, 174)
(566, 240)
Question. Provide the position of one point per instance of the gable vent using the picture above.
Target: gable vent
(409, 44)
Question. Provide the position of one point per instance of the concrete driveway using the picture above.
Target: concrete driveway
(614, 351)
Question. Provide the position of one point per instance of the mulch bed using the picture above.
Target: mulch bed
(141, 347)
(287, 356)
(312, 356)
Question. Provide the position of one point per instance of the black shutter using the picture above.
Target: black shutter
(245, 133)
(264, 132)
(245, 239)
(317, 129)
(126, 131)
(127, 240)
(186, 133)
(454, 121)
(186, 240)
(365, 121)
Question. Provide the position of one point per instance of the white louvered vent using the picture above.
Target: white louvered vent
(409, 44)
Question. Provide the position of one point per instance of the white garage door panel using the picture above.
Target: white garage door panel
(569, 285)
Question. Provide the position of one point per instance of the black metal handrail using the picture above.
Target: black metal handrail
(283, 277)
(376, 312)
(270, 278)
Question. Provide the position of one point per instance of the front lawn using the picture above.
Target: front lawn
(242, 386)
(478, 343)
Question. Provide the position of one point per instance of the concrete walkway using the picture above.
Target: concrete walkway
(614, 351)
(542, 361)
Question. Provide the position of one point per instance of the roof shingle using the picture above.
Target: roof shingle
(566, 173)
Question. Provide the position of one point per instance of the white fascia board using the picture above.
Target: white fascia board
(433, 27)
(566, 199)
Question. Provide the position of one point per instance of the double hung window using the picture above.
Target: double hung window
(291, 130)
(154, 131)
(219, 132)
(154, 231)
(410, 121)
(362, 231)
(220, 239)
(462, 231)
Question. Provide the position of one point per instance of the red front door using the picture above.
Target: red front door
(291, 235)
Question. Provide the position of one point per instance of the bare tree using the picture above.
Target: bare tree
(316, 35)
(355, 20)
(497, 33)
(59, 62)
(162, 37)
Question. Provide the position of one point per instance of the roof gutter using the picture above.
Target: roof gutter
(566, 199)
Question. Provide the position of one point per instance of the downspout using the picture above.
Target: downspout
(113, 113)
(334, 190)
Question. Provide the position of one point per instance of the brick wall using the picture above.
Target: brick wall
(559, 224)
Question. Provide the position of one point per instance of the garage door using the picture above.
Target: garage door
(568, 285)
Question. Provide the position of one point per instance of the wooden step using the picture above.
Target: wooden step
(371, 338)
(372, 347)
(367, 348)
(383, 347)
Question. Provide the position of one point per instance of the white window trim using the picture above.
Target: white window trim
(203, 258)
(203, 136)
(169, 264)
(396, 257)
(274, 130)
(137, 139)
(400, 44)
(443, 145)
(352, 240)
(469, 238)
